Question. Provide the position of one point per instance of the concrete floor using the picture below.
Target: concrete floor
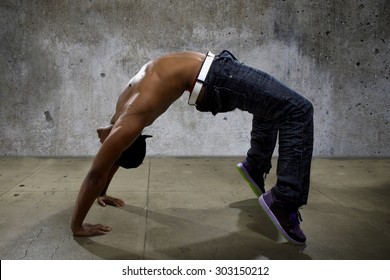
(191, 208)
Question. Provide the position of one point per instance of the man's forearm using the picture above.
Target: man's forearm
(91, 187)
(113, 170)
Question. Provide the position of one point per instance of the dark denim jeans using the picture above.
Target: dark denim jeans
(276, 109)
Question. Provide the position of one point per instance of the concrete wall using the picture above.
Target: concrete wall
(63, 64)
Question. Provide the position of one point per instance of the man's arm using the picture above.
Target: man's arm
(111, 174)
(104, 199)
(122, 135)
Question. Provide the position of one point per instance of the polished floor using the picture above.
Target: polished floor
(191, 208)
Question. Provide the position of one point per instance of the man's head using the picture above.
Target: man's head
(134, 155)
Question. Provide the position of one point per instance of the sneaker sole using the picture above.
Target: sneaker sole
(255, 188)
(275, 221)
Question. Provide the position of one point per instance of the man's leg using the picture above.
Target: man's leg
(258, 162)
(232, 85)
(281, 203)
(295, 153)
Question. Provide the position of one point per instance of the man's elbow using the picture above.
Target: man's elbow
(95, 177)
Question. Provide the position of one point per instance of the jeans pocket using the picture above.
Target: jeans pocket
(228, 100)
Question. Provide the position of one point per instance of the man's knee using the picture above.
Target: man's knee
(309, 108)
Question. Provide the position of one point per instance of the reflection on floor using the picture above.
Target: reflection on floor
(191, 208)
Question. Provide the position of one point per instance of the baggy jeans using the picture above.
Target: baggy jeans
(276, 108)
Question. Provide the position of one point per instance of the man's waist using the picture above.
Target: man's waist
(197, 89)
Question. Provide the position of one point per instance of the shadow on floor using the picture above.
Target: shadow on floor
(105, 252)
(198, 234)
(174, 237)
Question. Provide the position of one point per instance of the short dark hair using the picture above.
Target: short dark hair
(134, 155)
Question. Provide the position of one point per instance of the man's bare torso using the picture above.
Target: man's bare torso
(158, 84)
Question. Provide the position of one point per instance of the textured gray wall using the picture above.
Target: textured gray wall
(63, 64)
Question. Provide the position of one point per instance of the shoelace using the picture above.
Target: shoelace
(295, 217)
(299, 216)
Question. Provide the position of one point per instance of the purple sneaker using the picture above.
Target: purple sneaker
(255, 181)
(285, 220)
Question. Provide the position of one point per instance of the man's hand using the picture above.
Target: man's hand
(103, 132)
(109, 200)
(90, 230)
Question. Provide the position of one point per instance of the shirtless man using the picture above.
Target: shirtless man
(216, 84)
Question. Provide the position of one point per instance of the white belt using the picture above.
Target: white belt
(201, 77)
